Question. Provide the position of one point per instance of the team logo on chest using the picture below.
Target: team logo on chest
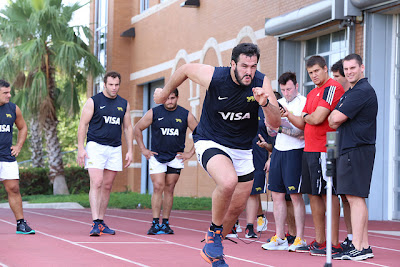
(232, 116)
(8, 115)
(169, 131)
(112, 120)
(5, 128)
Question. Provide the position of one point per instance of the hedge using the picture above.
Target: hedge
(35, 181)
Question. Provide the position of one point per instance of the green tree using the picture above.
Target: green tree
(37, 45)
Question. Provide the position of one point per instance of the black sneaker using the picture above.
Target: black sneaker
(368, 252)
(104, 229)
(322, 251)
(250, 231)
(309, 247)
(351, 254)
(165, 229)
(346, 244)
(154, 229)
(23, 228)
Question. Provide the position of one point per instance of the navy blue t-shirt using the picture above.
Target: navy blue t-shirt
(360, 105)
(105, 127)
(168, 132)
(7, 118)
(230, 112)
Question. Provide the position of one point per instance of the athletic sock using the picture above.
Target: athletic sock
(249, 224)
(165, 221)
(260, 215)
(156, 220)
(350, 237)
(20, 221)
(213, 226)
(97, 221)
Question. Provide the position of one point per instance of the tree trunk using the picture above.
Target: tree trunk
(56, 173)
(36, 145)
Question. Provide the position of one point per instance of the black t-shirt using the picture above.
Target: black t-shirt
(168, 132)
(360, 105)
(105, 127)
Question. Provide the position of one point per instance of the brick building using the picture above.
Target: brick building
(147, 40)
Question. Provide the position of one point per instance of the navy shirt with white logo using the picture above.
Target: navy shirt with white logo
(105, 127)
(7, 118)
(168, 132)
(230, 112)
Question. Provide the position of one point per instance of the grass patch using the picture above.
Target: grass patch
(125, 200)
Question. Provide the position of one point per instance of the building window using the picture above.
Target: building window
(100, 39)
(144, 4)
(331, 46)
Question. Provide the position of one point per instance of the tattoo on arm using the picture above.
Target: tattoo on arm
(294, 132)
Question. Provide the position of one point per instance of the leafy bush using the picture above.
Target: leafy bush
(35, 181)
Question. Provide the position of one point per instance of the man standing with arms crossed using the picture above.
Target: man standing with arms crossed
(103, 114)
(168, 133)
(355, 119)
(285, 167)
(223, 138)
(9, 173)
(320, 102)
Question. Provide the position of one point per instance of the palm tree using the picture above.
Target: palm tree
(39, 45)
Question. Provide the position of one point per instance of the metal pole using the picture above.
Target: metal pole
(331, 142)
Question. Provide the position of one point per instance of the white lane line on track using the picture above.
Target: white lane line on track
(144, 236)
(3, 265)
(89, 248)
(158, 243)
(205, 221)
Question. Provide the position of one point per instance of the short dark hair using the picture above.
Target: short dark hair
(112, 74)
(357, 57)
(338, 67)
(3, 83)
(314, 60)
(287, 76)
(176, 92)
(248, 49)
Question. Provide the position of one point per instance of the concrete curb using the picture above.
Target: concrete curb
(60, 205)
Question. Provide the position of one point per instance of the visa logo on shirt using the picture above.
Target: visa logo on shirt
(112, 120)
(169, 131)
(5, 128)
(234, 116)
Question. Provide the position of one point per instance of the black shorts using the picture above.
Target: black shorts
(354, 171)
(285, 171)
(259, 186)
(314, 174)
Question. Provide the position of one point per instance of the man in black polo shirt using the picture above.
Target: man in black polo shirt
(355, 119)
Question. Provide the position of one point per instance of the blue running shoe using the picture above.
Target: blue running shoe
(154, 229)
(220, 263)
(165, 229)
(213, 250)
(95, 229)
(24, 229)
(105, 230)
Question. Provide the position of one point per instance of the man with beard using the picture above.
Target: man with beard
(168, 132)
(223, 138)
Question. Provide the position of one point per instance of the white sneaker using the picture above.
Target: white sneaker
(296, 244)
(276, 244)
(262, 224)
(238, 228)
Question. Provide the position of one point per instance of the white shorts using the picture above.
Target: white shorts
(242, 159)
(158, 167)
(9, 170)
(103, 157)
